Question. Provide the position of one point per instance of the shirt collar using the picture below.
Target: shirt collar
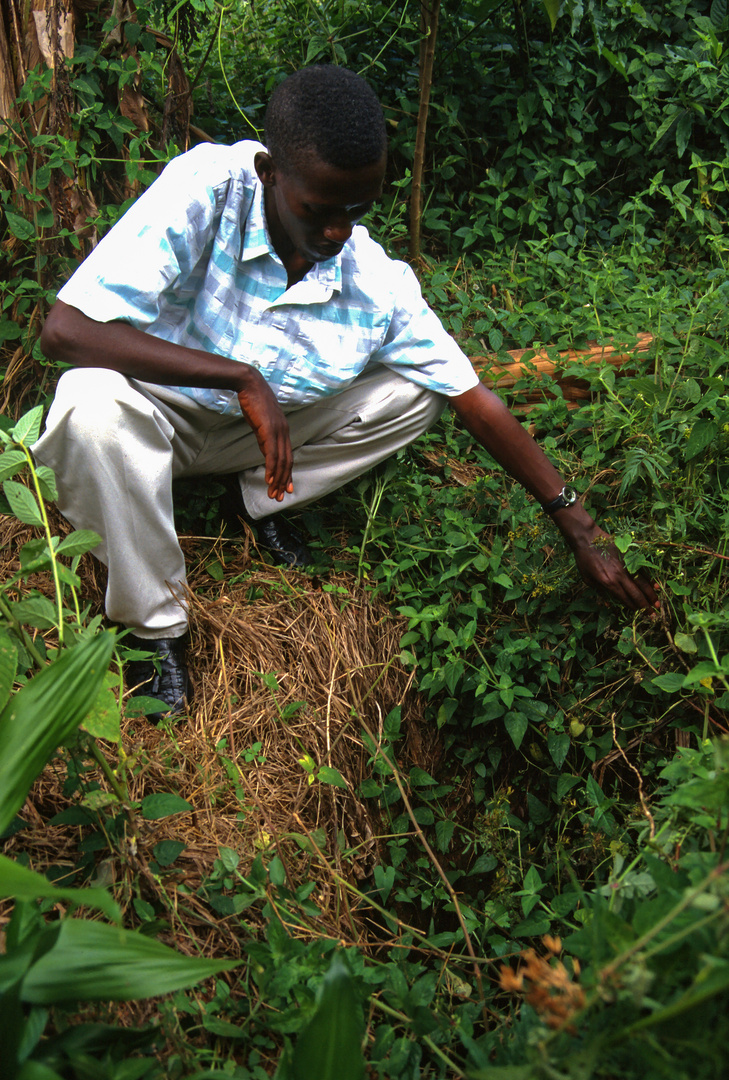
(257, 242)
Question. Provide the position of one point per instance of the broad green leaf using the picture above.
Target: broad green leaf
(44, 714)
(484, 864)
(19, 883)
(37, 611)
(10, 330)
(614, 61)
(67, 576)
(702, 435)
(683, 131)
(330, 1046)
(710, 794)
(141, 705)
(328, 775)
(10, 462)
(8, 666)
(78, 543)
(317, 838)
(20, 226)
(93, 961)
(35, 553)
(552, 9)
(533, 926)
(670, 682)
(36, 1070)
(166, 851)
(23, 503)
(27, 429)
(420, 778)
(558, 744)
(162, 805)
(718, 12)
(384, 880)
(685, 642)
(103, 720)
(47, 481)
(704, 670)
(223, 1028)
(276, 871)
(444, 829)
(99, 800)
(516, 725)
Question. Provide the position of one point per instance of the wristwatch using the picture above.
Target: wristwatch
(566, 497)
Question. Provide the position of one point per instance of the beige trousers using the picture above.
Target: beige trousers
(116, 444)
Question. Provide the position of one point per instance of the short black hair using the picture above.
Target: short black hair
(328, 110)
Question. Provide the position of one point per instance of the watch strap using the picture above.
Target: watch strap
(566, 497)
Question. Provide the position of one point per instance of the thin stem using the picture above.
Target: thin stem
(431, 855)
(49, 540)
(434, 1049)
(27, 640)
(372, 511)
(108, 772)
(662, 923)
(225, 77)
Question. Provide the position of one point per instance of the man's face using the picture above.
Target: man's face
(312, 210)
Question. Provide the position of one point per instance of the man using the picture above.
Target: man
(236, 321)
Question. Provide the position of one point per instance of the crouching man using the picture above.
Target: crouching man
(238, 321)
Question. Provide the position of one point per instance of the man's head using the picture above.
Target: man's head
(325, 162)
(326, 111)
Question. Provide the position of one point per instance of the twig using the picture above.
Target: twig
(431, 855)
(630, 765)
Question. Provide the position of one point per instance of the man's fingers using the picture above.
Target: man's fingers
(634, 592)
(608, 572)
(278, 460)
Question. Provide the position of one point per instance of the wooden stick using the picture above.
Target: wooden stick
(503, 376)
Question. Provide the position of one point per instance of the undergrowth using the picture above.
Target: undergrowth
(437, 800)
(548, 893)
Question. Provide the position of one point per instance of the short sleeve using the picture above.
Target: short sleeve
(154, 247)
(418, 345)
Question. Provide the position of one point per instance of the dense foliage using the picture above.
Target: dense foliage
(556, 879)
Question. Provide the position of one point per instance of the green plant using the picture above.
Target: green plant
(49, 962)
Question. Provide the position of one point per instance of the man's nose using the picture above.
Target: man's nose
(338, 230)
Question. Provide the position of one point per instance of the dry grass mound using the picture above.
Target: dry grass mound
(288, 672)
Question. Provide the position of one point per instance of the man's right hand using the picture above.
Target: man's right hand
(72, 337)
(266, 418)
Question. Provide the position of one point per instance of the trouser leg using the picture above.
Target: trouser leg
(334, 441)
(115, 446)
(112, 449)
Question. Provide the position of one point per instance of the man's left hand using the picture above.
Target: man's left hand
(601, 565)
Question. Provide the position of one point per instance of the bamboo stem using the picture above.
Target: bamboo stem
(502, 376)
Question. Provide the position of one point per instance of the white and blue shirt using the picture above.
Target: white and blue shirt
(192, 262)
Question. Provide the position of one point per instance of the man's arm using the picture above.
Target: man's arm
(71, 337)
(491, 423)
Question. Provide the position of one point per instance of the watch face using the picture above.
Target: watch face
(569, 494)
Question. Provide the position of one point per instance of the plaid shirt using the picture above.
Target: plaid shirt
(191, 262)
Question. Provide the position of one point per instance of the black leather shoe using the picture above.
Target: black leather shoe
(164, 676)
(274, 533)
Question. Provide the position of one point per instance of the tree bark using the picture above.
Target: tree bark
(429, 12)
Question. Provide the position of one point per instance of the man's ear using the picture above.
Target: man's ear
(265, 168)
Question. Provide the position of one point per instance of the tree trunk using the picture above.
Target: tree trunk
(56, 168)
(429, 13)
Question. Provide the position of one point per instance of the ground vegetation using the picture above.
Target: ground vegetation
(437, 811)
